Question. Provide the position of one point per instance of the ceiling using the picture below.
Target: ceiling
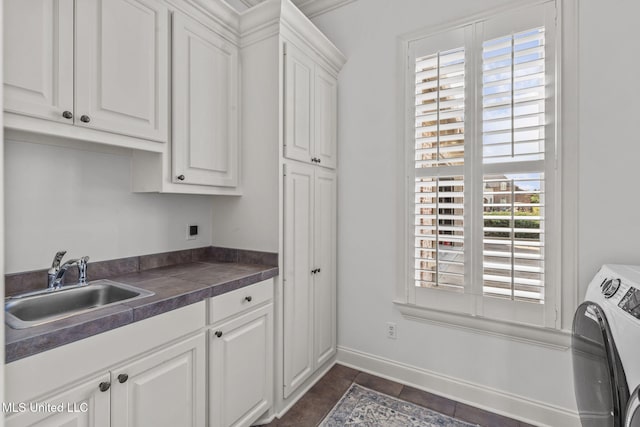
(310, 8)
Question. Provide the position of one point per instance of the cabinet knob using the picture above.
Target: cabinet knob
(248, 299)
(104, 386)
(319, 160)
(123, 378)
(85, 119)
(218, 333)
(180, 177)
(317, 270)
(67, 115)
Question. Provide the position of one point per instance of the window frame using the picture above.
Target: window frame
(470, 310)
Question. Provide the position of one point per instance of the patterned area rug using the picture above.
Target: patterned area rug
(363, 407)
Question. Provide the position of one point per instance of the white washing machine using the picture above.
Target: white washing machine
(606, 349)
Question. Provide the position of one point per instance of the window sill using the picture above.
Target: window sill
(546, 337)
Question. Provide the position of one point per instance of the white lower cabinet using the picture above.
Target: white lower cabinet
(309, 271)
(241, 357)
(83, 405)
(153, 373)
(165, 388)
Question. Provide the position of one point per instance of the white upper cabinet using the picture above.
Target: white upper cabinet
(205, 106)
(298, 92)
(310, 110)
(326, 108)
(122, 68)
(38, 58)
(100, 65)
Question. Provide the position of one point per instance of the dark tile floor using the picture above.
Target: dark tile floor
(318, 401)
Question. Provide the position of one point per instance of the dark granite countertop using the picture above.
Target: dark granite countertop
(174, 286)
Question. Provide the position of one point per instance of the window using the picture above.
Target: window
(483, 226)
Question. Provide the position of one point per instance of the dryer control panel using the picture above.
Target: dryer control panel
(630, 302)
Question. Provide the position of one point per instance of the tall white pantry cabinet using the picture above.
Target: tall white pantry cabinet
(289, 90)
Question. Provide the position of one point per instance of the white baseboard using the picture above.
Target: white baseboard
(496, 401)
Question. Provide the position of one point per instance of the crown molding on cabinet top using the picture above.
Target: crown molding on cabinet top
(271, 17)
(310, 8)
(218, 11)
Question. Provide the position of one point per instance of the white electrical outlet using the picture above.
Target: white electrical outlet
(391, 330)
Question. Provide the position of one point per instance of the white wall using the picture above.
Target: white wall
(609, 231)
(79, 200)
(609, 136)
(251, 221)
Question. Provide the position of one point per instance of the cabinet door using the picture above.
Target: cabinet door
(298, 279)
(205, 97)
(298, 105)
(241, 369)
(38, 58)
(122, 68)
(326, 112)
(83, 405)
(164, 389)
(324, 281)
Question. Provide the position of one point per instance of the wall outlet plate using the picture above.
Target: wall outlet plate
(392, 330)
(192, 231)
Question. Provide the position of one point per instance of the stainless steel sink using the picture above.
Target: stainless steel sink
(45, 306)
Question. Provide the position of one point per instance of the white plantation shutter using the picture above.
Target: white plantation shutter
(513, 137)
(440, 109)
(482, 161)
(439, 232)
(513, 244)
(513, 97)
(439, 147)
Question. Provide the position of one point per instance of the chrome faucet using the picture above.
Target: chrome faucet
(56, 273)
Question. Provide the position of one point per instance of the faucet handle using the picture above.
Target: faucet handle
(55, 264)
(82, 270)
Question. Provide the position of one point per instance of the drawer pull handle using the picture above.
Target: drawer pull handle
(218, 333)
(248, 299)
(104, 386)
(123, 378)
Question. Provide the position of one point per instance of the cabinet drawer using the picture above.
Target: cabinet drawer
(234, 302)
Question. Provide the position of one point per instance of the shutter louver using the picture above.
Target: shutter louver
(439, 128)
(513, 135)
(439, 145)
(513, 246)
(439, 232)
(513, 96)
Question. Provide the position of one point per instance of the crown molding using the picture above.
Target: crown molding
(217, 11)
(250, 3)
(272, 16)
(310, 8)
(313, 8)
